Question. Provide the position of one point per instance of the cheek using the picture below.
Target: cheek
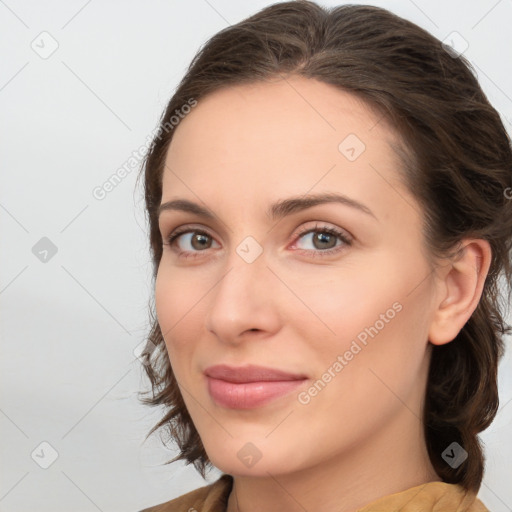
(177, 300)
(166, 304)
(342, 301)
(371, 370)
(373, 309)
(390, 367)
(177, 291)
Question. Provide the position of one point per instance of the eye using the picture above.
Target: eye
(190, 241)
(322, 239)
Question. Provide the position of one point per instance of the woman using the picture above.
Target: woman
(329, 220)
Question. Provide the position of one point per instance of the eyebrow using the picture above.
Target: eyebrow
(277, 210)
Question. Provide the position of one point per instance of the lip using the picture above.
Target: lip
(249, 386)
(249, 373)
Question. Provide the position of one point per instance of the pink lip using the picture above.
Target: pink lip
(250, 386)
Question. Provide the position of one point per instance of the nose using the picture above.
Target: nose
(244, 302)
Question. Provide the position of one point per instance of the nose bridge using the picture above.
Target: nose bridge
(242, 298)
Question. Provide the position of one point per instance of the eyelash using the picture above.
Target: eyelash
(347, 242)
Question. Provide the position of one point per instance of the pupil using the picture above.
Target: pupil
(198, 241)
(322, 238)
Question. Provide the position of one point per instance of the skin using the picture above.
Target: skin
(297, 308)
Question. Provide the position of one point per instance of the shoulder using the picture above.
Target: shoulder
(429, 497)
(210, 498)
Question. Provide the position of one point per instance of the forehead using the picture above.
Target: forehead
(277, 137)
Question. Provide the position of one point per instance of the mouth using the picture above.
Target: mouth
(250, 386)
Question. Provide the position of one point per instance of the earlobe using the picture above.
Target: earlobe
(460, 288)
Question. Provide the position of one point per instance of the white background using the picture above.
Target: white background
(69, 326)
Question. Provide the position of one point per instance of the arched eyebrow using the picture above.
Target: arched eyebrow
(278, 210)
(285, 207)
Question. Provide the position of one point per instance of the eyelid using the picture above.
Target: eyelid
(346, 238)
(320, 226)
(182, 230)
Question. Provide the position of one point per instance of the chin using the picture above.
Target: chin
(260, 458)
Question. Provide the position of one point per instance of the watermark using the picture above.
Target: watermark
(351, 147)
(143, 351)
(249, 249)
(45, 45)
(249, 454)
(44, 455)
(180, 114)
(133, 162)
(508, 193)
(454, 455)
(304, 397)
(44, 250)
(455, 44)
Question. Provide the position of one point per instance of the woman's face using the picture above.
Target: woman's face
(337, 293)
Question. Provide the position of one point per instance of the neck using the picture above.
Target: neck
(392, 461)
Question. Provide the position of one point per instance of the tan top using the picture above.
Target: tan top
(429, 497)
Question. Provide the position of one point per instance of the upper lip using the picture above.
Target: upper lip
(249, 373)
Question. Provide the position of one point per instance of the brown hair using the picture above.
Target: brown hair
(457, 163)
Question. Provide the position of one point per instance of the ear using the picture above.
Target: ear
(459, 288)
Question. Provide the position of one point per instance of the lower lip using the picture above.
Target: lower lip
(248, 395)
